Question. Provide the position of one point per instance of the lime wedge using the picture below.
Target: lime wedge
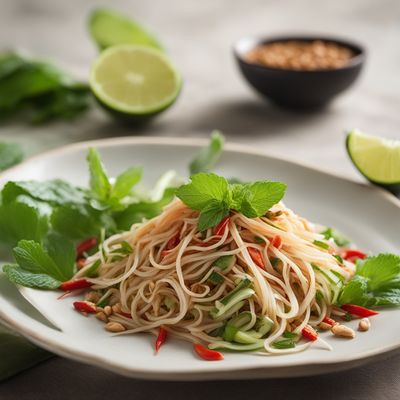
(376, 158)
(109, 28)
(134, 81)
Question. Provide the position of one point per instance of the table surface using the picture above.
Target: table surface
(199, 37)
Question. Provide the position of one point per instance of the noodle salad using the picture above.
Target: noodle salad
(226, 266)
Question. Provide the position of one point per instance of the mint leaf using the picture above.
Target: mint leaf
(381, 270)
(99, 183)
(203, 188)
(207, 157)
(259, 197)
(77, 222)
(23, 277)
(62, 252)
(355, 292)
(23, 218)
(136, 212)
(10, 154)
(32, 257)
(54, 192)
(376, 283)
(125, 182)
(212, 214)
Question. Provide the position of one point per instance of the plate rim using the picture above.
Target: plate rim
(53, 344)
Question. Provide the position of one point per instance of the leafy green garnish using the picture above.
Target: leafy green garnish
(42, 266)
(338, 238)
(284, 344)
(10, 154)
(208, 156)
(376, 283)
(213, 197)
(39, 90)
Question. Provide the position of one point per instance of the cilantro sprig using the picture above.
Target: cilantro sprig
(214, 197)
(376, 282)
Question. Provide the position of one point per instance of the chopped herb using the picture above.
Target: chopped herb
(125, 248)
(348, 316)
(338, 238)
(92, 270)
(323, 245)
(290, 335)
(216, 278)
(223, 262)
(338, 258)
(284, 344)
(259, 240)
(274, 261)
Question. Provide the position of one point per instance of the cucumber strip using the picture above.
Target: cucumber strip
(222, 345)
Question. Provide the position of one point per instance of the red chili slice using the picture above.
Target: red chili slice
(329, 321)
(276, 241)
(358, 310)
(309, 333)
(75, 284)
(161, 338)
(220, 228)
(85, 307)
(84, 246)
(207, 354)
(256, 256)
(353, 255)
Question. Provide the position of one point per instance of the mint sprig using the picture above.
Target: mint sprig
(376, 282)
(214, 197)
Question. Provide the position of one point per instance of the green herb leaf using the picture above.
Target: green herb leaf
(376, 283)
(32, 257)
(54, 192)
(136, 212)
(284, 344)
(212, 214)
(125, 182)
(339, 239)
(203, 188)
(213, 196)
(78, 222)
(99, 183)
(223, 262)
(23, 218)
(22, 277)
(260, 197)
(10, 154)
(208, 156)
(322, 245)
(62, 252)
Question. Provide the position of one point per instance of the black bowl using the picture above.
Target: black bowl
(295, 88)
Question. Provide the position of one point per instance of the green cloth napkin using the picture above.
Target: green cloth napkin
(17, 353)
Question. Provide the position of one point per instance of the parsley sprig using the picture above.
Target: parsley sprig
(214, 197)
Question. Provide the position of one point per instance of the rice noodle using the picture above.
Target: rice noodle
(151, 275)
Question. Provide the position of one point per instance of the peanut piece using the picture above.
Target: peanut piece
(102, 317)
(364, 325)
(343, 331)
(108, 310)
(115, 327)
(116, 308)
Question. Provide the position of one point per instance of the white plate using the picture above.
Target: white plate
(368, 215)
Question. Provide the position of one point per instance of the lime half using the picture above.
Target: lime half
(134, 81)
(109, 28)
(376, 158)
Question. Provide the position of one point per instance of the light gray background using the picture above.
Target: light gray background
(199, 36)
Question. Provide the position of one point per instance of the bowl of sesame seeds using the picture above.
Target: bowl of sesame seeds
(302, 72)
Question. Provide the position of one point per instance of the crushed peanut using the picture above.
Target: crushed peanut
(343, 331)
(108, 310)
(300, 55)
(364, 325)
(114, 327)
(102, 316)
